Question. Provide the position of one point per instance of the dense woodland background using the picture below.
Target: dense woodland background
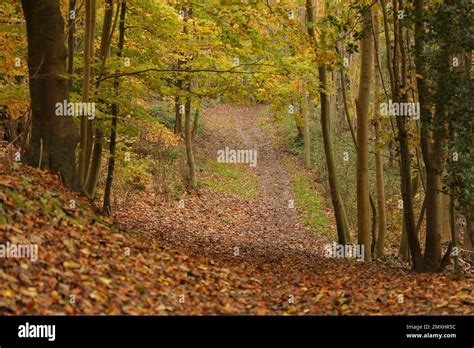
(301, 81)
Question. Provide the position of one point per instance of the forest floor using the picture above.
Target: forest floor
(220, 253)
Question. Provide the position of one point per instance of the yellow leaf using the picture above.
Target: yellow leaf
(106, 281)
(71, 264)
(318, 297)
(85, 251)
(7, 293)
(98, 296)
(70, 245)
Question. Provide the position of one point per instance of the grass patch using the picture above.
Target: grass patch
(235, 179)
(309, 201)
(308, 196)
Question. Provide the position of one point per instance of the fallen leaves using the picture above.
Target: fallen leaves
(71, 264)
(174, 261)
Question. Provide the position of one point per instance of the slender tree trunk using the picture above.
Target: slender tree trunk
(403, 139)
(71, 40)
(107, 31)
(379, 177)
(96, 157)
(363, 204)
(333, 186)
(373, 208)
(54, 138)
(195, 124)
(305, 113)
(177, 123)
(379, 182)
(345, 222)
(470, 229)
(85, 125)
(404, 250)
(454, 234)
(388, 55)
(179, 84)
(93, 22)
(192, 182)
(298, 118)
(405, 169)
(341, 223)
(107, 208)
(445, 209)
(433, 221)
(354, 140)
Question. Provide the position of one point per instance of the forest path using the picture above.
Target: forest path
(253, 256)
(271, 230)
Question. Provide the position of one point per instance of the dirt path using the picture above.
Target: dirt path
(273, 230)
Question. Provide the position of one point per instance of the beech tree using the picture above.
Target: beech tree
(366, 58)
(107, 208)
(53, 137)
(342, 228)
(379, 175)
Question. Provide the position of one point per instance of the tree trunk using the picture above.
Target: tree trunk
(404, 250)
(71, 41)
(305, 113)
(333, 186)
(195, 125)
(405, 169)
(192, 182)
(363, 205)
(345, 222)
(107, 208)
(191, 179)
(379, 177)
(452, 227)
(432, 255)
(445, 209)
(470, 231)
(403, 139)
(85, 142)
(106, 35)
(341, 223)
(96, 157)
(298, 118)
(177, 122)
(437, 167)
(431, 151)
(54, 138)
